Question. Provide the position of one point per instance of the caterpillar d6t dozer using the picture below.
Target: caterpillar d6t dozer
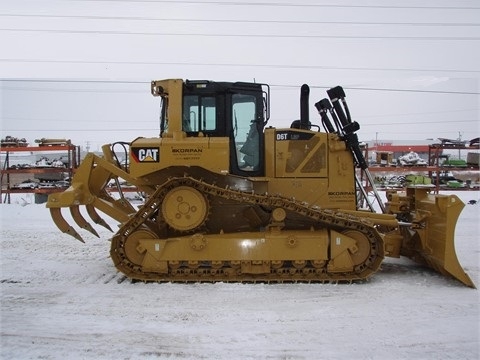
(229, 199)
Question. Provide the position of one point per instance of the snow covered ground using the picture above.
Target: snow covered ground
(61, 299)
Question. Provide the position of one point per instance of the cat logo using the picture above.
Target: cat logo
(150, 154)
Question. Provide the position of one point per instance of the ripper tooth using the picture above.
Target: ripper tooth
(62, 224)
(96, 218)
(80, 220)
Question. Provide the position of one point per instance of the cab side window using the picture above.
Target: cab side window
(246, 131)
(199, 114)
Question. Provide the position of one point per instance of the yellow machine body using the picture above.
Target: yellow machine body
(229, 199)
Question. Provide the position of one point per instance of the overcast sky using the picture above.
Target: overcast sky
(81, 69)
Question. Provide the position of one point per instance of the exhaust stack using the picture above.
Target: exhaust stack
(304, 112)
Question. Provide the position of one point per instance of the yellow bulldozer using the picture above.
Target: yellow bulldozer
(228, 198)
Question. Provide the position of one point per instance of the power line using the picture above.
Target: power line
(287, 4)
(417, 122)
(102, 91)
(412, 90)
(386, 89)
(248, 21)
(96, 121)
(273, 36)
(418, 113)
(154, 121)
(81, 130)
(70, 80)
(155, 130)
(119, 129)
(271, 85)
(397, 133)
(280, 66)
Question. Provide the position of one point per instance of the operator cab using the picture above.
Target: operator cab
(238, 111)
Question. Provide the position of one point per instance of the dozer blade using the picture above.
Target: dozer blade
(443, 259)
(96, 218)
(453, 267)
(80, 220)
(446, 262)
(438, 246)
(62, 224)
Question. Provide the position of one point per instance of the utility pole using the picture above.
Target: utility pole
(459, 139)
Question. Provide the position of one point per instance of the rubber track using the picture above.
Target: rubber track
(325, 218)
